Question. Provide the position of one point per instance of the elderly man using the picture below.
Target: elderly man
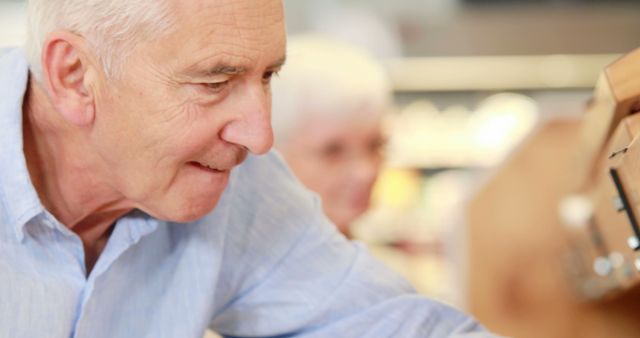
(120, 215)
(331, 136)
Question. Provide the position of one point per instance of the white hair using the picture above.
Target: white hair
(327, 78)
(112, 27)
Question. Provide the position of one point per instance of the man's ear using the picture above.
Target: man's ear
(65, 67)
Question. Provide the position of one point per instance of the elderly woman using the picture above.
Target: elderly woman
(327, 110)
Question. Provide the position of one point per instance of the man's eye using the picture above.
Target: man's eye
(267, 76)
(377, 146)
(216, 86)
(332, 151)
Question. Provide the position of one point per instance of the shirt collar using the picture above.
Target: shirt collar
(19, 200)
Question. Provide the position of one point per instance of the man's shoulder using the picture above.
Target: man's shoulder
(14, 68)
(12, 54)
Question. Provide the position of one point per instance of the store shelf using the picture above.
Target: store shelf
(496, 73)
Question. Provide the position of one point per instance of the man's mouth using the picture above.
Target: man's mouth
(207, 167)
(225, 163)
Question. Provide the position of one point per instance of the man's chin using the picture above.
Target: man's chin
(194, 198)
(184, 211)
(192, 213)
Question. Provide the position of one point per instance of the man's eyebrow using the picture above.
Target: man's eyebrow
(225, 70)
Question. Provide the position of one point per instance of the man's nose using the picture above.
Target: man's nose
(365, 168)
(251, 128)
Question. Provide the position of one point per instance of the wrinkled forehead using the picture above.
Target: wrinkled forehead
(241, 14)
(246, 32)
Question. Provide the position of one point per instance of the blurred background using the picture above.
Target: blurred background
(471, 80)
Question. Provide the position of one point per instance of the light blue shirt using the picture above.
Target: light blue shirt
(264, 263)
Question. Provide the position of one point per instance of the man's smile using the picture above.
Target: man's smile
(207, 167)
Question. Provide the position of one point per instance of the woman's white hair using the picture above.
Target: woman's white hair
(112, 27)
(326, 78)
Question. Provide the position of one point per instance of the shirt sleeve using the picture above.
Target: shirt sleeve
(289, 273)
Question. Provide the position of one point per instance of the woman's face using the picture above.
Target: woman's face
(340, 161)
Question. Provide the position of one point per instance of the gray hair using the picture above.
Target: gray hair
(112, 27)
(328, 78)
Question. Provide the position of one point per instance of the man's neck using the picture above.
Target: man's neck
(68, 185)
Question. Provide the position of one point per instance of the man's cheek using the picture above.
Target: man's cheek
(172, 111)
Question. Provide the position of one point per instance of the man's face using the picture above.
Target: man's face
(340, 160)
(190, 105)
